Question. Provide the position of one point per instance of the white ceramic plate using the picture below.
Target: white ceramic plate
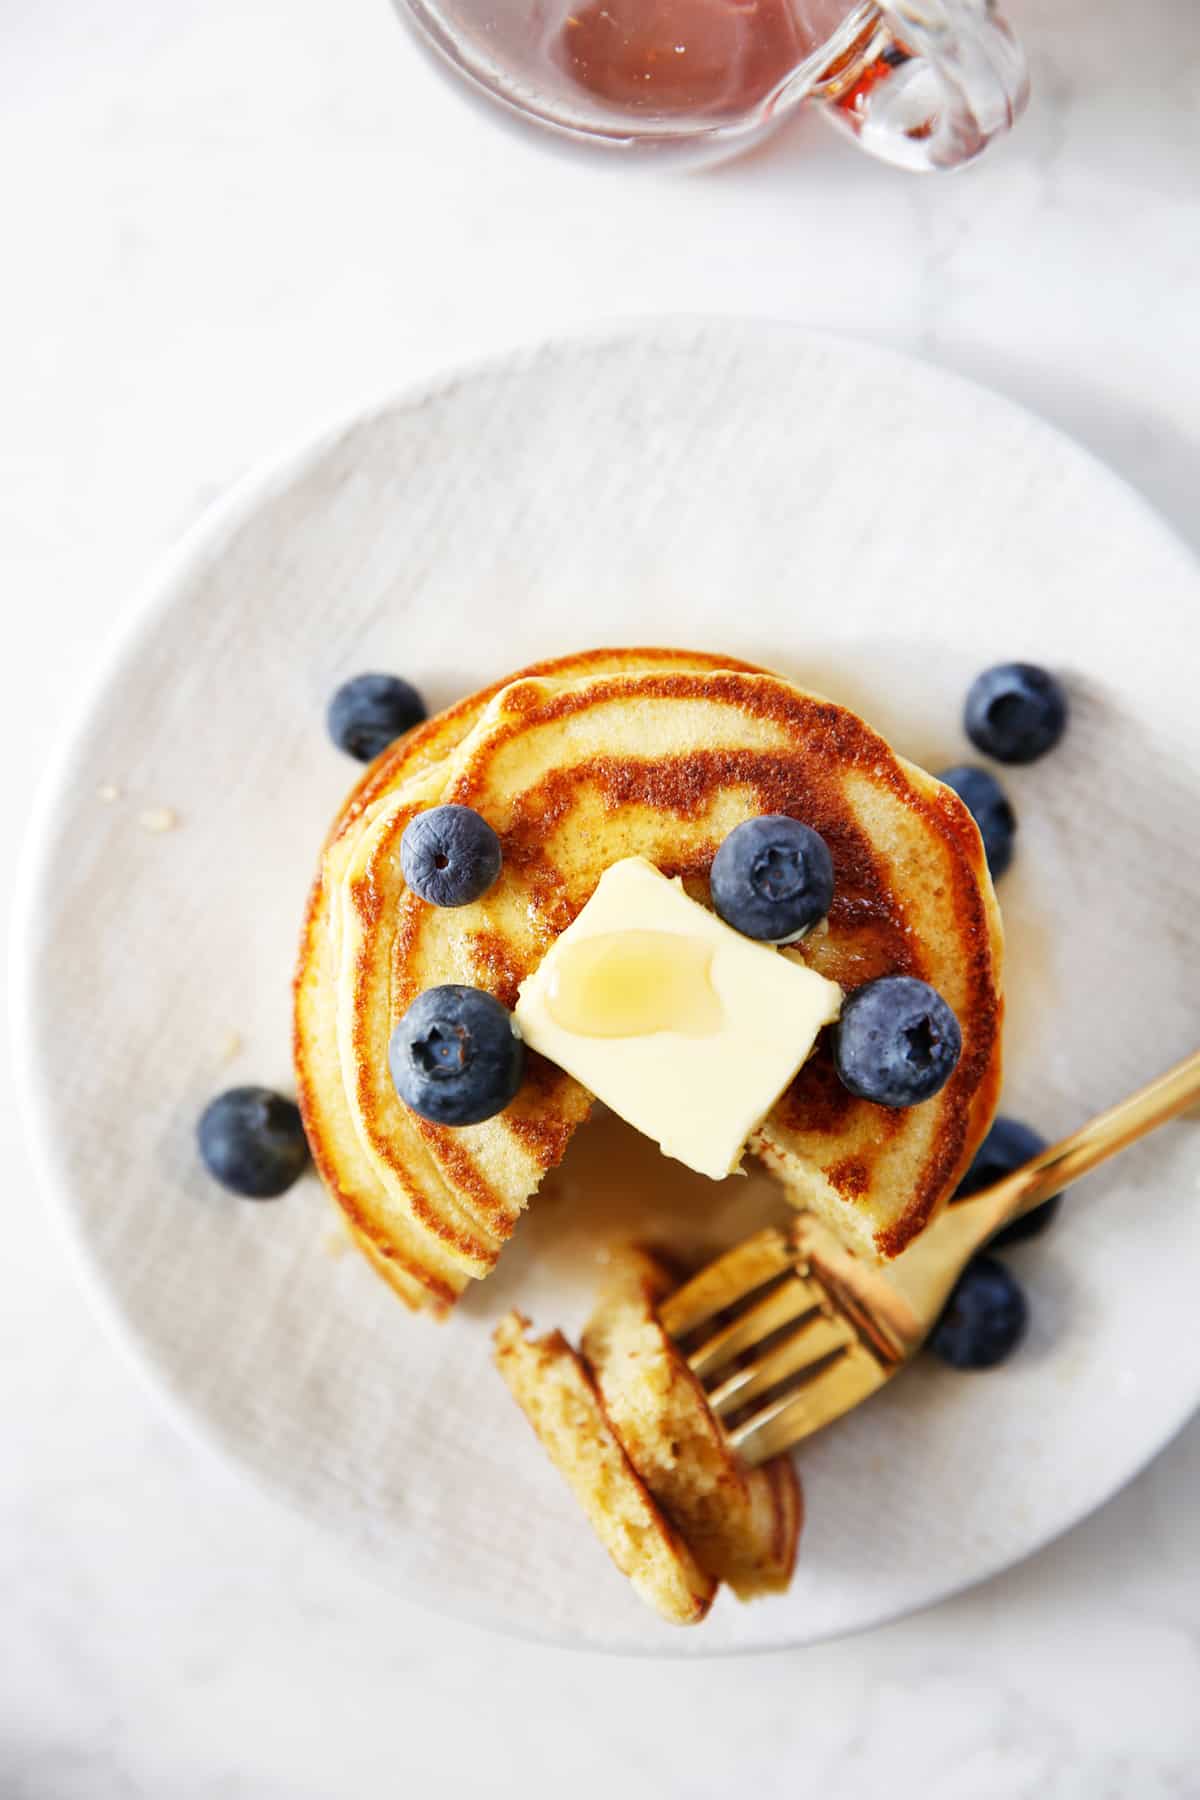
(873, 527)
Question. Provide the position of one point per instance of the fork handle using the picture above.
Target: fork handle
(1112, 1131)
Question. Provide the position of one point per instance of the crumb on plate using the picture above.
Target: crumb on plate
(336, 1241)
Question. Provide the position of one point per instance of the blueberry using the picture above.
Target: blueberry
(456, 1056)
(897, 1041)
(253, 1141)
(1015, 712)
(991, 810)
(450, 856)
(1007, 1145)
(984, 1319)
(772, 879)
(372, 711)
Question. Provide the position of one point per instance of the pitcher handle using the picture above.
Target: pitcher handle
(925, 84)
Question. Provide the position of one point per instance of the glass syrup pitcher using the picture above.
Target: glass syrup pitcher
(925, 84)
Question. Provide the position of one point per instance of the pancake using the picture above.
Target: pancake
(557, 1394)
(741, 1524)
(658, 755)
(386, 1210)
(626, 1423)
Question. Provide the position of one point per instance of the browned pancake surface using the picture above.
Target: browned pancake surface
(661, 763)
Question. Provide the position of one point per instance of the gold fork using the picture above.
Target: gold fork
(856, 1326)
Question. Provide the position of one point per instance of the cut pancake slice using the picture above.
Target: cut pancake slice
(741, 1524)
(558, 1396)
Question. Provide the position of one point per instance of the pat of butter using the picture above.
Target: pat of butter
(682, 1026)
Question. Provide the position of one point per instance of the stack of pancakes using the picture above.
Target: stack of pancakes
(577, 764)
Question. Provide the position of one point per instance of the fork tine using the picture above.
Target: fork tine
(818, 1337)
(792, 1299)
(729, 1279)
(844, 1383)
(883, 1314)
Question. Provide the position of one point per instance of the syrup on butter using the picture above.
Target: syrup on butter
(684, 1028)
(632, 983)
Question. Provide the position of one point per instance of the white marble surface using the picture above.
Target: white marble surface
(220, 224)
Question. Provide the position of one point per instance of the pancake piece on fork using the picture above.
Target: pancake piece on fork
(556, 1392)
(627, 1425)
(742, 1524)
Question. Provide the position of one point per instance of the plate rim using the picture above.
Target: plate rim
(151, 599)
